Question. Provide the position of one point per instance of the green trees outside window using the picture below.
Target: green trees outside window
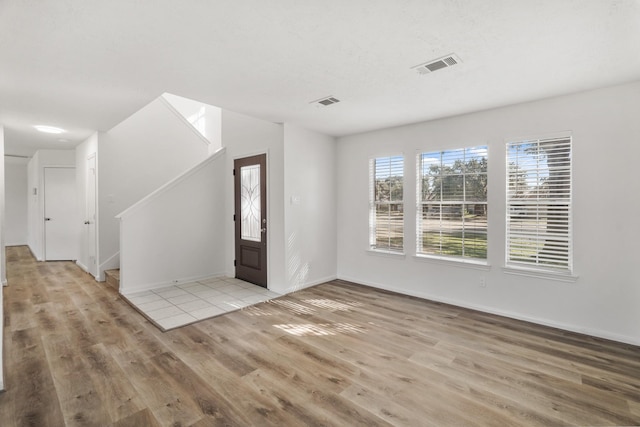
(386, 211)
(452, 203)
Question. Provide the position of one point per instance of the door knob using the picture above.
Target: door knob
(87, 222)
(47, 219)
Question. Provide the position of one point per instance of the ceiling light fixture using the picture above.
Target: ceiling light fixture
(49, 129)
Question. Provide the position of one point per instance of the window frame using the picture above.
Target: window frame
(373, 204)
(540, 269)
(440, 257)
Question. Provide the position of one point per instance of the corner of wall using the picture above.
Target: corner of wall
(3, 265)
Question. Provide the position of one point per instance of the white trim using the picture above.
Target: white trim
(536, 320)
(149, 197)
(94, 154)
(539, 136)
(307, 284)
(453, 262)
(386, 253)
(250, 154)
(82, 266)
(559, 276)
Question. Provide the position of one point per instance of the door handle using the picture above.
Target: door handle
(47, 219)
(87, 222)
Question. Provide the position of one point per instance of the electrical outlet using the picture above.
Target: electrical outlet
(483, 282)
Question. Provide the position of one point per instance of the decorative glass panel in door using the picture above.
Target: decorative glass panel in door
(250, 204)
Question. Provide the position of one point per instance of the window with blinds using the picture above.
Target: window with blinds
(539, 204)
(452, 203)
(386, 209)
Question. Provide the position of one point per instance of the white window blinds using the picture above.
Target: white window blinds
(386, 209)
(452, 203)
(539, 204)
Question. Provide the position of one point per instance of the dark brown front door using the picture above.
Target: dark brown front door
(251, 218)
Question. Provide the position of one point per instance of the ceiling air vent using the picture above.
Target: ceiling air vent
(437, 64)
(328, 100)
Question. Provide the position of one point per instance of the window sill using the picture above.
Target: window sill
(454, 262)
(540, 274)
(386, 254)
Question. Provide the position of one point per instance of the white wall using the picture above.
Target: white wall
(177, 233)
(209, 124)
(3, 262)
(32, 203)
(15, 172)
(135, 158)
(604, 301)
(310, 207)
(244, 136)
(83, 151)
(35, 203)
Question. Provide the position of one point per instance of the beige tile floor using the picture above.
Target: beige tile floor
(180, 305)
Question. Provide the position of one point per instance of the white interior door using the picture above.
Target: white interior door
(60, 232)
(90, 217)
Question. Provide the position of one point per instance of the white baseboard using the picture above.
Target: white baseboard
(305, 285)
(513, 315)
(82, 266)
(33, 254)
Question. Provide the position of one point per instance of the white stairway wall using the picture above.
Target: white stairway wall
(205, 119)
(139, 155)
(3, 274)
(175, 234)
(604, 301)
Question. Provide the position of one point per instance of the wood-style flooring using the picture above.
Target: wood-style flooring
(336, 354)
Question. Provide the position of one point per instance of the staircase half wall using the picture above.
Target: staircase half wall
(176, 234)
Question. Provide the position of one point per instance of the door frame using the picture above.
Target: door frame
(92, 270)
(266, 214)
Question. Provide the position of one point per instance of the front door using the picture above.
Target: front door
(250, 185)
(60, 231)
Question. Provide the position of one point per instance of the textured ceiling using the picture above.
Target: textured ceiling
(86, 65)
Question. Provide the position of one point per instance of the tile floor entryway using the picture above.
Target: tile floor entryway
(180, 305)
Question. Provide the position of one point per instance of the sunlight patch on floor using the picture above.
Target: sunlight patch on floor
(312, 329)
(332, 305)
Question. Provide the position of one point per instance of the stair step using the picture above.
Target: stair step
(113, 278)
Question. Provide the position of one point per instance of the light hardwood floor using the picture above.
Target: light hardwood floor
(335, 354)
